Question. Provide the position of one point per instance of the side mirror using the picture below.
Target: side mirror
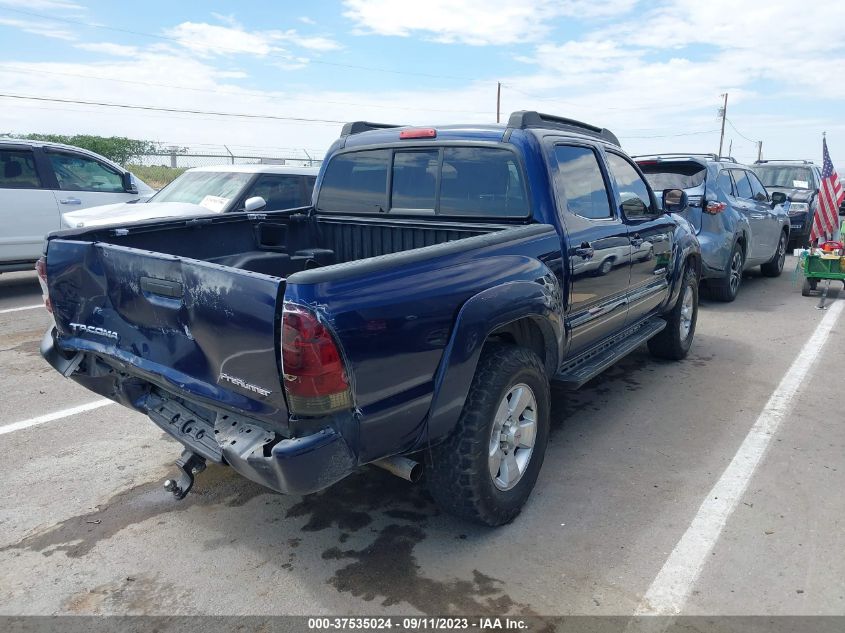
(256, 203)
(778, 197)
(128, 183)
(675, 200)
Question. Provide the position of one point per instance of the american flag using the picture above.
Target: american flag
(826, 219)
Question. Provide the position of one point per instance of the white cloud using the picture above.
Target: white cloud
(109, 48)
(306, 20)
(39, 27)
(44, 5)
(214, 39)
(475, 22)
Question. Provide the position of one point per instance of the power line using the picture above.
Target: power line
(230, 92)
(182, 42)
(175, 110)
(740, 133)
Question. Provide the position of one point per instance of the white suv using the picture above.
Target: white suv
(39, 181)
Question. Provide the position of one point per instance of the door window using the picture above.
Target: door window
(758, 191)
(634, 195)
(80, 173)
(580, 181)
(17, 170)
(279, 191)
(743, 187)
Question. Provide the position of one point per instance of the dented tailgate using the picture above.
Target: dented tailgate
(204, 330)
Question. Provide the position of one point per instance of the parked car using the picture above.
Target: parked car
(205, 190)
(419, 310)
(799, 181)
(736, 222)
(39, 180)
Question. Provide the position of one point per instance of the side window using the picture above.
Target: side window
(481, 182)
(743, 187)
(80, 173)
(580, 181)
(356, 182)
(17, 170)
(633, 192)
(758, 191)
(279, 191)
(414, 180)
(725, 183)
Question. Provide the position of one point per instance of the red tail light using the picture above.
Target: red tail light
(312, 367)
(715, 207)
(426, 132)
(41, 269)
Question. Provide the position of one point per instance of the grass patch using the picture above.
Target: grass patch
(156, 176)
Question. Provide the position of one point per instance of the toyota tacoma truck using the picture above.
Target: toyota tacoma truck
(413, 317)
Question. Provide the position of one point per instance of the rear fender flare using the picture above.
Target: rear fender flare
(687, 249)
(540, 300)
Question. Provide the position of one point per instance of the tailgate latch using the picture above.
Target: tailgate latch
(189, 464)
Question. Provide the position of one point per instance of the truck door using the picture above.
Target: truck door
(650, 231)
(598, 249)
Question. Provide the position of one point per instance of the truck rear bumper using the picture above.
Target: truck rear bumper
(290, 465)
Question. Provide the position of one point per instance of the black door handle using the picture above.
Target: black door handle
(585, 251)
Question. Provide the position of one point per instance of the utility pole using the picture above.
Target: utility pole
(724, 113)
(759, 150)
(498, 100)
(730, 147)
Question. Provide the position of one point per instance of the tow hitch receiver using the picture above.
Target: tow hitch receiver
(189, 464)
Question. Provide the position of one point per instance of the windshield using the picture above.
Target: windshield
(675, 175)
(213, 190)
(785, 176)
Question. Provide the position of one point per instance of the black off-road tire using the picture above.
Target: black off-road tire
(721, 288)
(458, 474)
(669, 343)
(774, 267)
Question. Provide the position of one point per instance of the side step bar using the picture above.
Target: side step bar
(591, 363)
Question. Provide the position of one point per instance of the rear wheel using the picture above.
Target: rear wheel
(726, 287)
(486, 470)
(809, 287)
(674, 341)
(774, 267)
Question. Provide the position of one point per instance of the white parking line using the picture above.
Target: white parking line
(58, 415)
(40, 305)
(673, 584)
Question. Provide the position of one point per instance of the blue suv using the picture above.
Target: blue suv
(737, 223)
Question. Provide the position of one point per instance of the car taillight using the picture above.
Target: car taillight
(41, 269)
(312, 367)
(715, 207)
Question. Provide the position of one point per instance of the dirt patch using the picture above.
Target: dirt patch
(132, 595)
(387, 570)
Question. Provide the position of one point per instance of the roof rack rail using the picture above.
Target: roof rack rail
(783, 160)
(711, 156)
(523, 119)
(356, 127)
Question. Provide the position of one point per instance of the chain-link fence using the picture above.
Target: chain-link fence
(159, 168)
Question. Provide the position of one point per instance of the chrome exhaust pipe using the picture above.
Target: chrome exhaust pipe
(402, 467)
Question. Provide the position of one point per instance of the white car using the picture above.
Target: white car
(207, 190)
(38, 181)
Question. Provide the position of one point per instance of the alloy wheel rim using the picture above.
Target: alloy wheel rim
(736, 271)
(687, 312)
(512, 437)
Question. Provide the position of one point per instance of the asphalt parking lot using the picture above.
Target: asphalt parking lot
(85, 527)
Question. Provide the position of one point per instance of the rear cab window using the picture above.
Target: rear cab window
(17, 170)
(469, 182)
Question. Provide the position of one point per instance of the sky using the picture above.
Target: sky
(653, 72)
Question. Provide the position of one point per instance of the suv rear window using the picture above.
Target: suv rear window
(675, 175)
(452, 181)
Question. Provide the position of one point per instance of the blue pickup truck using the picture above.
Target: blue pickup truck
(413, 317)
